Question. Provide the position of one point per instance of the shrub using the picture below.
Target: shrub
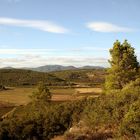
(131, 123)
(40, 121)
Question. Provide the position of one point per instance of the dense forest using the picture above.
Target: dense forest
(115, 114)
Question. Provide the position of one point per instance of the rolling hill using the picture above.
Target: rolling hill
(89, 77)
(20, 77)
(50, 68)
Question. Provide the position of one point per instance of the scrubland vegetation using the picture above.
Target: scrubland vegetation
(17, 77)
(91, 77)
(113, 114)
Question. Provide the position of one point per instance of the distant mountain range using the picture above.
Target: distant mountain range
(50, 68)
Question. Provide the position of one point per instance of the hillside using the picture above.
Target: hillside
(51, 68)
(19, 77)
(85, 76)
(22, 77)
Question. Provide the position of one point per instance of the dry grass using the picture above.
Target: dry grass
(20, 96)
(89, 90)
(5, 107)
(17, 96)
(59, 138)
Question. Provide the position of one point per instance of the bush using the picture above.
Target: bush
(117, 112)
(42, 94)
(131, 123)
(40, 121)
(112, 115)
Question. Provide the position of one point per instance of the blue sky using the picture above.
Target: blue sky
(65, 32)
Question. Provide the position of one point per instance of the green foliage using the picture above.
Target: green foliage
(124, 66)
(133, 87)
(42, 94)
(130, 125)
(40, 121)
(118, 112)
(99, 112)
(108, 116)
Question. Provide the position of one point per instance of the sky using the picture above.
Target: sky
(65, 32)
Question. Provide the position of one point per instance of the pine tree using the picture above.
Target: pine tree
(124, 66)
(42, 94)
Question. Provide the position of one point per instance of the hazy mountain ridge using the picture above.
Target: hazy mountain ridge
(51, 68)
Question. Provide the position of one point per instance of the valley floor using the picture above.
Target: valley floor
(15, 96)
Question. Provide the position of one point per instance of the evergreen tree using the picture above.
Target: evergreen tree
(124, 66)
(42, 93)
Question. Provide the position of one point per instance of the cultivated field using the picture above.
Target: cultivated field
(20, 96)
(16, 96)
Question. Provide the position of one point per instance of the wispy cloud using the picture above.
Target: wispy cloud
(38, 60)
(26, 51)
(42, 25)
(107, 27)
(6, 50)
(87, 49)
(38, 57)
(14, 1)
(11, 1)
